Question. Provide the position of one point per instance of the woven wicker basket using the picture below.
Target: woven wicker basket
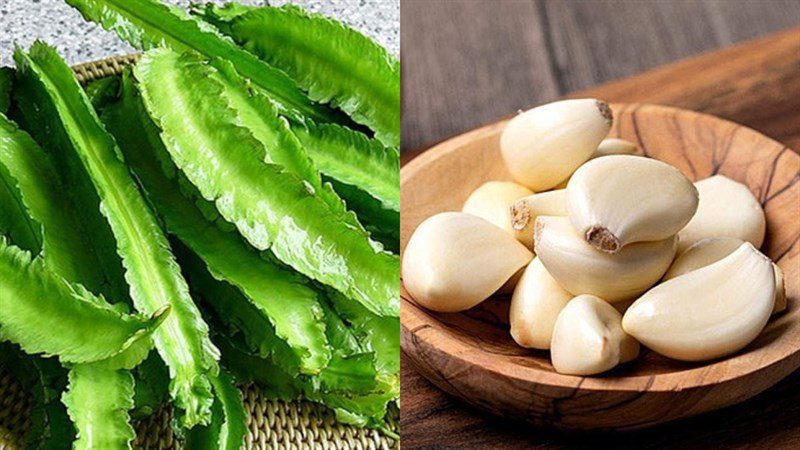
(272, 424)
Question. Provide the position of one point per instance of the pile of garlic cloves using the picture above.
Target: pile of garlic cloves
(600, 249)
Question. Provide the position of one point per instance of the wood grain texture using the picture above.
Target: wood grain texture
(768, 421)
(471, 354)
(751, 84)
(461, 69)
(456, 81)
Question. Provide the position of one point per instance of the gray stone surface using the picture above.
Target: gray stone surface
(23, 21)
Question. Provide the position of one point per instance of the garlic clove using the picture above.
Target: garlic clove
(492, 201)
(614, 146)
(588, 338)
(453, 261)
(535, 305)
(581, 269)
(525, 210)
(726, 209)
(610, 146)
(709, 312)
(543, 146)
(709, 251)
(621, 199)
(701, 254)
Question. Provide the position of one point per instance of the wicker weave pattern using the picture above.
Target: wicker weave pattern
(272, 424)
(14, 408)
(90, 71)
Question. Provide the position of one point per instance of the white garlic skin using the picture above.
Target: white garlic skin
(727, 209)
(535, 305)
(493, 200)
(711, 250)
(708, 313)
(544, 145)
(525, 211)
(617, 200)
(588, 338)
(581, 269)
(453, 261)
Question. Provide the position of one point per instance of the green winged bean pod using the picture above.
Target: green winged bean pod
(228, 426)
(351, 158)
(289, 306)
(350, 373)
(68, 251)
(151, 271)
(53, 211)
(43, 313)
(332, 62)
(363, 172)
(271, 208)
(257, 113)
(380, 335)
(248, 367)
(344, 155)
(92, 389)
(14, 220)
(84, 252)
(147, 24)
(363, 409)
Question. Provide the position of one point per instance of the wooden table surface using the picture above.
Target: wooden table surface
(468, 62)
(756, 83)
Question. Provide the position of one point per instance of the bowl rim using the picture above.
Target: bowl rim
(659, 382)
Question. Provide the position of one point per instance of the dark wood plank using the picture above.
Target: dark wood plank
(596, 41)
(739, 20)
(461, 68)
(754, 84)
(750, 83)
(460, 61)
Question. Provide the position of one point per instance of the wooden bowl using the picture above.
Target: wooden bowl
(471, 355)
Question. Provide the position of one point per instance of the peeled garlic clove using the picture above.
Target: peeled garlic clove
(610, 146)
(581, 269)
(701, 254)
(543, 146)
(535, 305)
(621, 199)
(525, 211)
(614, 146)
(709, 251)
(492, 201)
(454, 261)
(709, 312)
(727, 209)
(588, 338)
